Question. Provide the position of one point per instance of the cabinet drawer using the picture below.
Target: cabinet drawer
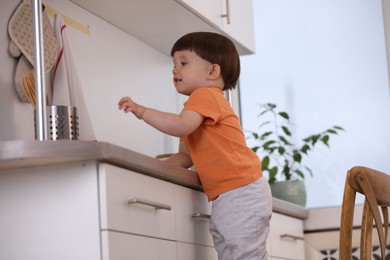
(120, 246)
(195, 252)
(285, 239)
(192, 216)
(151, 212)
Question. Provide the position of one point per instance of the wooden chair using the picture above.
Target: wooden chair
(375, 186)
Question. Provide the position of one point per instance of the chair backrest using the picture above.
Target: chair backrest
(375, 186)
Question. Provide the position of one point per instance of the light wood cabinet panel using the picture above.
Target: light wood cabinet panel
(241, 26)
(49, 213)
(232, 17)
(195, 252)
(286, 238)
(81, 211)
(209, 10)
(192, 216)
(121, 246)
(118, 186)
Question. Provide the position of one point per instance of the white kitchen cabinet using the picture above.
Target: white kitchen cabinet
(120, 246)
(50, 213)
(82, 211)
(192, 216)
(142, 229)
(233, 17)
(151, 212)
(285, 240)
(241, 26)
(187, 251)
(160, 23)
(173, 224)
(209, 11)
(194, 241)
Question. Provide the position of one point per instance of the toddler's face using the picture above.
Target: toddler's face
(190, 72)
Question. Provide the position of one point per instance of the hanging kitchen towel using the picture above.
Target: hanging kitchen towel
(66, 84)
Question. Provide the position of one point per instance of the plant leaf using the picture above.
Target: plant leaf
(266, 134)
(264, 123)
(265, 163)
(286, 170)
(272, 174)
(314, 139)
(309, 170)
(338, 128)
(255, 148)
(332, 131)
(325, 140)
(305, 148)
(284, 140)
(300, 173)
(267, 144)
(286, 131)
(284, 115)
(297, 157)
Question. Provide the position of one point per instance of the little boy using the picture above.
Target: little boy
(211, 138)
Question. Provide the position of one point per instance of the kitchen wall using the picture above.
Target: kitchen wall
(111, 64)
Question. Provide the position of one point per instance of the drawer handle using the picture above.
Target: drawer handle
(200, 215)
(288, 236)
(153, 204)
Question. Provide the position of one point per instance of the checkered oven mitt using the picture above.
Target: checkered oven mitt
(21, 46)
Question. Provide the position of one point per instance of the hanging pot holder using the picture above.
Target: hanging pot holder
(20, 29)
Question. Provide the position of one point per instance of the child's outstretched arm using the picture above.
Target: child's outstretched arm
(176, 125)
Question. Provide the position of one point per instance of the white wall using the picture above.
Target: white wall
(324, 62)
(111, 64)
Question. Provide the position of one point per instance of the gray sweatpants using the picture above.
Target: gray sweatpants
(239, 222)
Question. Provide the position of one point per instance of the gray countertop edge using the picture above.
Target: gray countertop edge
(24, 154)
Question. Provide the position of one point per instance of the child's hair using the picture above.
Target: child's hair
(216, 49)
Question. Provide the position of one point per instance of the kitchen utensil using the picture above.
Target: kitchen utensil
(20, 29)
(22, 69)
(62, 123)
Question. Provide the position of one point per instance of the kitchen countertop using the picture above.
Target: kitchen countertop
(24, 154)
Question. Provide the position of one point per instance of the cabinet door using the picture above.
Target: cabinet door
(164, 21)
(120, 246)
(192, 216)
(233, 17)
(50, 213)
(240, 24)
(286, 238)
(208, 10)
(151, 211)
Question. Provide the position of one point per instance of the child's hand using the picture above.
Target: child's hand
(128, 105)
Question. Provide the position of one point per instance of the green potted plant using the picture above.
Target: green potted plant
(281, 158)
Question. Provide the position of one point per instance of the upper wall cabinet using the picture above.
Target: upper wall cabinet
(159, 23)
(233, 18)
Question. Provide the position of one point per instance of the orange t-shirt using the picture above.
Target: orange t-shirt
(217, 147)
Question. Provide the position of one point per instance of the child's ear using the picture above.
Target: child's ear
(215, 71)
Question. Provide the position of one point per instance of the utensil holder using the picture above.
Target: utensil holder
(62, 123)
